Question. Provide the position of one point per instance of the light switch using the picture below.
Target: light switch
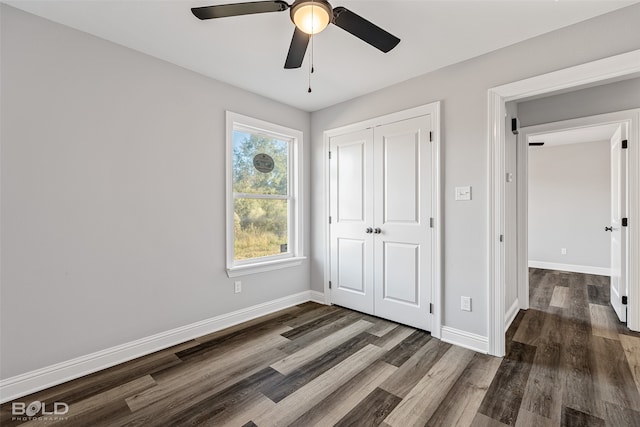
(463, 193)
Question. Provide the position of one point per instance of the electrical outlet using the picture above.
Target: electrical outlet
(465, 303)
(563, 251)
(237, 286)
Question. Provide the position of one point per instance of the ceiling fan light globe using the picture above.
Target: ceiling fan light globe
(311, 17)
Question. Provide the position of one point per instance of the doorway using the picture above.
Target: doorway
(619, 66)
(572, 201)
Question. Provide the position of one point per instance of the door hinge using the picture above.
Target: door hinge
(624, 300)
(625, 144)
(329, 155)
(430, 308)
(431, 222)
(329, 284)
(515, 124)
(430, 136)
(625, 222)
(501, 238)
(329, 220)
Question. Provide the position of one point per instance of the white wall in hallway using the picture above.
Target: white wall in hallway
(569, 204)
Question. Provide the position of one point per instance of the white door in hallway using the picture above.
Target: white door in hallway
(618, 233)
(381, 206)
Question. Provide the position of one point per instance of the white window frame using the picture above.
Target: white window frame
(295, 254)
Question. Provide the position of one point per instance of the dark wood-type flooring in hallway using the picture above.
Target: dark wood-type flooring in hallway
(569, 362)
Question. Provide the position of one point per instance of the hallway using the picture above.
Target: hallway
(569, 361)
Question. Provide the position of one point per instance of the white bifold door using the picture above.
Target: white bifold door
(381, 231)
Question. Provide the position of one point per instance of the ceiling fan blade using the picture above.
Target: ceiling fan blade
(235, 9)
(364, 30)
(297, 49)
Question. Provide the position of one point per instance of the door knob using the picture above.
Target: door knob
(369, 230)
(608, 228)
(377, 230)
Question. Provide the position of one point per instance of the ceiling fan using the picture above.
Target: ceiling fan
(310, 17)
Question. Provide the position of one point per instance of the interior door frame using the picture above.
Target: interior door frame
(618, 66)
(432, 109)
(629, 118)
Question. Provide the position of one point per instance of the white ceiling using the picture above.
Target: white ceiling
(249, 51)
(576, 136)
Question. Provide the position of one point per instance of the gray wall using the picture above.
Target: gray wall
(462, 88)
(569, 204)
(608, 98)
(113, 216)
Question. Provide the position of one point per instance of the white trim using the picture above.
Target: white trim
(432, 109)
(511, 314)
(261, 267)
(465, 339)
(295, 237)
(586, 269)
(608, 68)
(40, 379)
(318, 297)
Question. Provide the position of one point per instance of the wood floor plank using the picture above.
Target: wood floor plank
(574, 418)
(578, 389)
(323, 331)
(316, 324)
(382, 327)
(189, 378)
(482, 420)
(239, 401)
(299, 358)
(85, 411)
(371, 411)
(395, 337)
(598, 294)
(529, 330)
(543, 392)
(602, 322)
(613, 377)
(559, 297)
(294, 405)
(422, 401)
(529, 419)
(316, 367)
(461, 404)
(418, 365)
(332, 409)
(631, 347)
(406, 348)
(504, 397)
(615, 416)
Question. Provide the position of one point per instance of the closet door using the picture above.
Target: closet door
(351, 201)
(402, 212)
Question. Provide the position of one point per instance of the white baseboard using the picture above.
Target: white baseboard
(40, 379)
(586, 269)
(511, 314)
(465, 339)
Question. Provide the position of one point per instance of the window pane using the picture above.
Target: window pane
(260, 164)
(260, 228)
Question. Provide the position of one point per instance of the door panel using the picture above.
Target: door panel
(401, 273)
(618, 237)
(402, 249)
(351, 200)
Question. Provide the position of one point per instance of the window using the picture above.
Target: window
(263, 203)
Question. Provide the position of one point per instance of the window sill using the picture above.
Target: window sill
(261, 267)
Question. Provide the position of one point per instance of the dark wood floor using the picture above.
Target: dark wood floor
(568, 363)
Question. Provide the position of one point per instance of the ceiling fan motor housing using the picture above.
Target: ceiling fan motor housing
(301, 9)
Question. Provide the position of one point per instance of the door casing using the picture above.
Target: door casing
(626, 64)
